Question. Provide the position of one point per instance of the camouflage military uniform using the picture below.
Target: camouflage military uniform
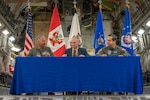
(112, 52)
(39, 52)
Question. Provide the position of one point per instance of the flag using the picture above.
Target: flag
(99, 37)
(55, 38)
(29, 35)
(75, 30)
(126, 39)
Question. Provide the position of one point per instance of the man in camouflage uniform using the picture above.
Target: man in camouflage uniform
(40, 49)
(112, 49)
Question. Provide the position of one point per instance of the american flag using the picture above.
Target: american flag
(29, 34)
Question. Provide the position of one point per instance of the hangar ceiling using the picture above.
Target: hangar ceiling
(14, 13)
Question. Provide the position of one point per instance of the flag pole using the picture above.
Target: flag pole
(56, 2)
(55, 36)
(99, 36)
(126, 38)
(75, 27)
(29, 32)
(29, 7)
(100, 2)
(127, 2)
(75, 4)
(100, 6)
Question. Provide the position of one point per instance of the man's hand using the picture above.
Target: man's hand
(46, 54)
(64, 55)
(81, 55)
(103, 55)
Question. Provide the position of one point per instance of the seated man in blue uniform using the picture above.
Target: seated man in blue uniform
(75, 50)
(112, 49)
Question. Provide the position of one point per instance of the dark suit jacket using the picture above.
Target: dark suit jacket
(81, 51)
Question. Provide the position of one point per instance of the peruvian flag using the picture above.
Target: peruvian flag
(55, 38)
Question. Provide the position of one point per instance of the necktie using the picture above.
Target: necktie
(74, 52)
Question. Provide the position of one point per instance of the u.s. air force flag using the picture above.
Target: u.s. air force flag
(126, 39)
(99, 37)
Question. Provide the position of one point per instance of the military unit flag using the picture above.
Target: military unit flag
(99, 36)
(126, 39)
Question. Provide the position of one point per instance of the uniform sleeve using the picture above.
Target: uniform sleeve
(31, 52)
(50, 51)
(126, 53)
(100, 52)
(86, 53)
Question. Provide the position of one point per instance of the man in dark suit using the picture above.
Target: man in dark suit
(75, 50)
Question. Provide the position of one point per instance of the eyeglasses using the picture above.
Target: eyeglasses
(73, 42)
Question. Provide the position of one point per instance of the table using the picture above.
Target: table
(59, 74)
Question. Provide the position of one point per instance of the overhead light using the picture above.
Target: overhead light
(0, 24)
(11, 58)
(141, 31)
(147, 96)
(15, 49)
(148, 23)
(5, 32)
(11, 38)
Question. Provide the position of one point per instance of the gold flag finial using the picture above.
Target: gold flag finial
(29, 7)
(100, 6)
(127, 3)
(75, 4)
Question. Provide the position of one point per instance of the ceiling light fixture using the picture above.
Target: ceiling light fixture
(15, 49)
(141, 31)
(0, 24)
(148, 23)
(11, 38)
(5, 32)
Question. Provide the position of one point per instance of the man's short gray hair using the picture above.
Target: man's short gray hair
(39, 36)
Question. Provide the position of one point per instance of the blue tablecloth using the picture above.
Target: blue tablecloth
(58, 74)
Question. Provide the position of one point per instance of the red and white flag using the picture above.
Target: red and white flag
(75, 30)
(56, 38)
